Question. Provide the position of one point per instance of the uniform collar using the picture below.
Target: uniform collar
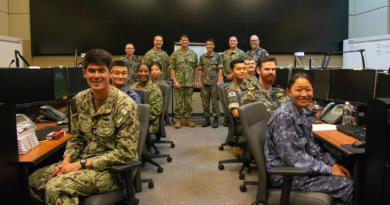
(125, 88)
(242, 86)
(212, 54)
(294, 112)
(107, 105)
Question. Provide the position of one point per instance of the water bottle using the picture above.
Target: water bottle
(347, 112)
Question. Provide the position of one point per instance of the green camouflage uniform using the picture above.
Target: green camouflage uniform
(156, 104)
(252, 82)
(161, 57)
(184, 65)
(210, 65)
(161, 82)
(227, 57)
(232, 99)
(257, 54)
(272, 99)
(107, 136)
(133, 64)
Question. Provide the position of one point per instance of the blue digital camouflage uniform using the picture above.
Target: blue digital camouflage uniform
(290, 143)
(107, 136)
(184, 64)
(227, 57)
(132, 64)
(130, 92)
(162, 58)
(210, 65)
(257, 54)
(155, 99)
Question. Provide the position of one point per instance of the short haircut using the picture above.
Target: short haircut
(265, 59)
(233, 37)
(156, 64)
(296, 76)
(184, 35)
(120, 63)
(249, 58)
(234, 62)
(211, 40)
(145, 64)
(158, 36)
(99, 57)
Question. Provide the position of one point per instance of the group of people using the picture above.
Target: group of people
(105, 123)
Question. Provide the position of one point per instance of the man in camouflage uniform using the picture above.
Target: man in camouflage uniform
(104, 133)
(133, 61)
(210, 71)
(156, 54)
(257, 52)
(119, 74)
(184, 62)
(228, 56)
(239, 84)
(251, 67)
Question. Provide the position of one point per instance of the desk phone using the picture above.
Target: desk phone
(332, 113)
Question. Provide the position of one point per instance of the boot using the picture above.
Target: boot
(189, 123)
(178, 123)
(207, 122)
(215, 123)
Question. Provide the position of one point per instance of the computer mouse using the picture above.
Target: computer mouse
(359, 144)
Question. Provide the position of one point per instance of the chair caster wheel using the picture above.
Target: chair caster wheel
(160, 170)
(243, 188)
(242, 176)
(220, 148)
(172, 145)
(169, 159)
(151, 185)
(221, 167)
(156, 152)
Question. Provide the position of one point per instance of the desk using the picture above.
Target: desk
(39, 153)
(331, 140)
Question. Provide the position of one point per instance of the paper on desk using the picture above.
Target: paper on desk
(322, 127)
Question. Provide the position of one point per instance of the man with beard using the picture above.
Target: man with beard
(271, 97)
(257, 52)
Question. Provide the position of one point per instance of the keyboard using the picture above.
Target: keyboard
(353, 130)
(44, 131)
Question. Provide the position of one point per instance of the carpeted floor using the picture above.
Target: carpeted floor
(193, 176)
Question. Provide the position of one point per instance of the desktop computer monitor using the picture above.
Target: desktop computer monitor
(353, 86)
(382, 86)
(321, 84)
(282, 77)
(76, 80)
(60, 83)
(25, 87)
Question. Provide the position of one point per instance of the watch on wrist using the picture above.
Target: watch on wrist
(83, 162)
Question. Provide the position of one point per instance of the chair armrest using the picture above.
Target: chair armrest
(288, 171)
(125, 167)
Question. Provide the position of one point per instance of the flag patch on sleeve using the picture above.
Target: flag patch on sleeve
(232, 94)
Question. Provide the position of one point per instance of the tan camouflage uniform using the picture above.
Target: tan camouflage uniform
(162, 58)
(210, 65)
(107, 136)
(227, 57)
(133, 64)
(184, 65)
(155, 99)
(257, 54)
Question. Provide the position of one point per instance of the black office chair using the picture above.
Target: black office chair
(167, 93)
(166, 117)
(128, 192)
(232, 140)
(225, 116)
(254, 119)
(143, 93)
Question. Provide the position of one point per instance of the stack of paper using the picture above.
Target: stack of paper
(27, 140)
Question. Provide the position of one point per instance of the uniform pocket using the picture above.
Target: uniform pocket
(84, 123)
(106, 127)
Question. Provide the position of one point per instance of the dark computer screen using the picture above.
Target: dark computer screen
(76, 80)
(26, 86)
(352, 86)
(60, 82)
(382, 86)
(321, 84)
(282, 77)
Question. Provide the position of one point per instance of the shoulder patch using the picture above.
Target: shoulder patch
(232, 94)
(279, 94)
(251, 88)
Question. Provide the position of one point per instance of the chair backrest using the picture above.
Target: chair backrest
(225, 106)
(167, 93)
(254, 119)
(143, 93)
(143, 118)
